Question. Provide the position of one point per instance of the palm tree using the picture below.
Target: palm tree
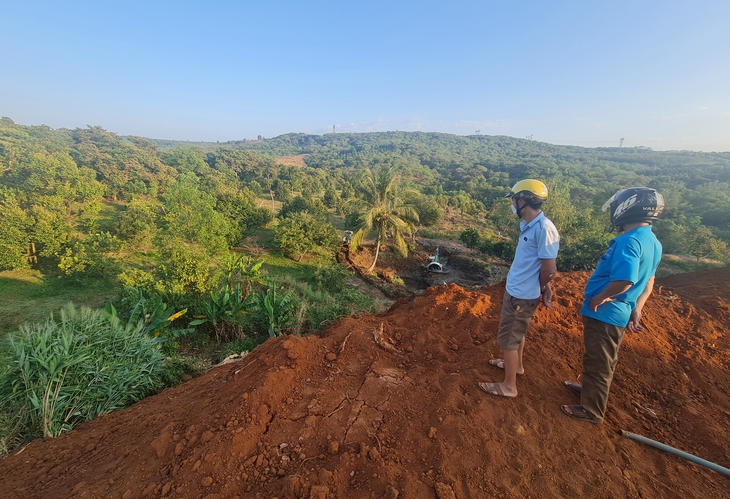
(381, 209)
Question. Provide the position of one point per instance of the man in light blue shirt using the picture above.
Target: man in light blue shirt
(529, 279)
(615, 295)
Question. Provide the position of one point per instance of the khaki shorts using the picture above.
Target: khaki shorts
(516, 316)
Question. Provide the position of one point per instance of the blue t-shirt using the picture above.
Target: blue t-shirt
(633, 256)
(539, 240)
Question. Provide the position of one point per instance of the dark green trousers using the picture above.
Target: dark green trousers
(602, 342)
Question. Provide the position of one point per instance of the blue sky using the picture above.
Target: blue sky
(583, 73)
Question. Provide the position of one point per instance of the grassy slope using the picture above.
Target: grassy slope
(30, 296)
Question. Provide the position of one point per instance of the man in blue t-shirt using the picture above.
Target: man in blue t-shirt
(529, 279)
(615, 296)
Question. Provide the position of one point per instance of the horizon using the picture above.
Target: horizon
(621, 146)
(587, 76)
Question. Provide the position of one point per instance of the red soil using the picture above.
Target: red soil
(346, 416)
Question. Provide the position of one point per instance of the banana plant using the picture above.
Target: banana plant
(242, 268)
(155, 314)
(225, 310)
(277, 309)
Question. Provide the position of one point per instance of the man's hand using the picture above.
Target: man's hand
(607, 295)
(635, 322)
(597, 301)
(547, 296)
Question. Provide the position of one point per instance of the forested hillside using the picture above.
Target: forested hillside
(476, 170)
(63, 187)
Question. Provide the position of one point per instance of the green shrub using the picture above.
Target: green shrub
(57, 374)
(470, 237)
(331, 279)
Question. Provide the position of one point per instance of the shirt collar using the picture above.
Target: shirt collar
(524, 225)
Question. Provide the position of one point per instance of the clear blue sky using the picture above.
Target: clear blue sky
(573, 72)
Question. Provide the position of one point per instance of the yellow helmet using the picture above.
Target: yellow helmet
(529, 189)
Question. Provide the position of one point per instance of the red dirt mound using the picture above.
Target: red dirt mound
(387, 406)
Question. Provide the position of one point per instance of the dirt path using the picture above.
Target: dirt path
(386, 406)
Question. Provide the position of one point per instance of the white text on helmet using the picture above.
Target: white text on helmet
(624, 206)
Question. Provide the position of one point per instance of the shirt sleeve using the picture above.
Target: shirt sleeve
(548, 242)
(658, 255)
(625, 264)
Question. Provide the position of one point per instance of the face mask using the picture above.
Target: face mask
(514, 210)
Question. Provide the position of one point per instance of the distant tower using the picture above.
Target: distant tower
(621, 142)
(333, 129)
(478, 132)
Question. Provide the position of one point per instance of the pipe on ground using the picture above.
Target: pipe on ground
(676, 452)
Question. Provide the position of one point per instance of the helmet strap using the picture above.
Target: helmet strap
(517, 207)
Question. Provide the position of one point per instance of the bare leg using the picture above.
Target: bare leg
(511, 361)
(520, 367)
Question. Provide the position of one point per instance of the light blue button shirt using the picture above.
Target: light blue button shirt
(539, 240)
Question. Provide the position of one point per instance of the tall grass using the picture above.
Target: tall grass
(59, 373)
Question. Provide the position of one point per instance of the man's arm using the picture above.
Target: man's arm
(614, 288)
(547, 272)
(634, 322)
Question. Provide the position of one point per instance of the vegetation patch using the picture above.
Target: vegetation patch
(72, 368)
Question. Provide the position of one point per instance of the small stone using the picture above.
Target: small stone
(287, 345)
(206, 437)
(391, 493)
(207, 481)
(166, 488)
(334, 447)
(331, 356)
(432, 432)
(455, 347)
(127, 494)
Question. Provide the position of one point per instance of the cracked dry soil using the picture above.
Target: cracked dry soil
(387, 406)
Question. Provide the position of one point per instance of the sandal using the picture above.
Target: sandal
(579, 413)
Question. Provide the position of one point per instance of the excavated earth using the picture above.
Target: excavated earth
(387, 406)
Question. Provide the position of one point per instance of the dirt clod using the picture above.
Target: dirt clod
(319, 492)
(444, 491)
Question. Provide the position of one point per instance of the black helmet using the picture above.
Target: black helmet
(635, 204)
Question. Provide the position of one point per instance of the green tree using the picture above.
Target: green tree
(191, 216)
(470, 237)
(330, 198)
(703, 244)
(301, 234)
(14, 234)
(382, 210)
(138, 223)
